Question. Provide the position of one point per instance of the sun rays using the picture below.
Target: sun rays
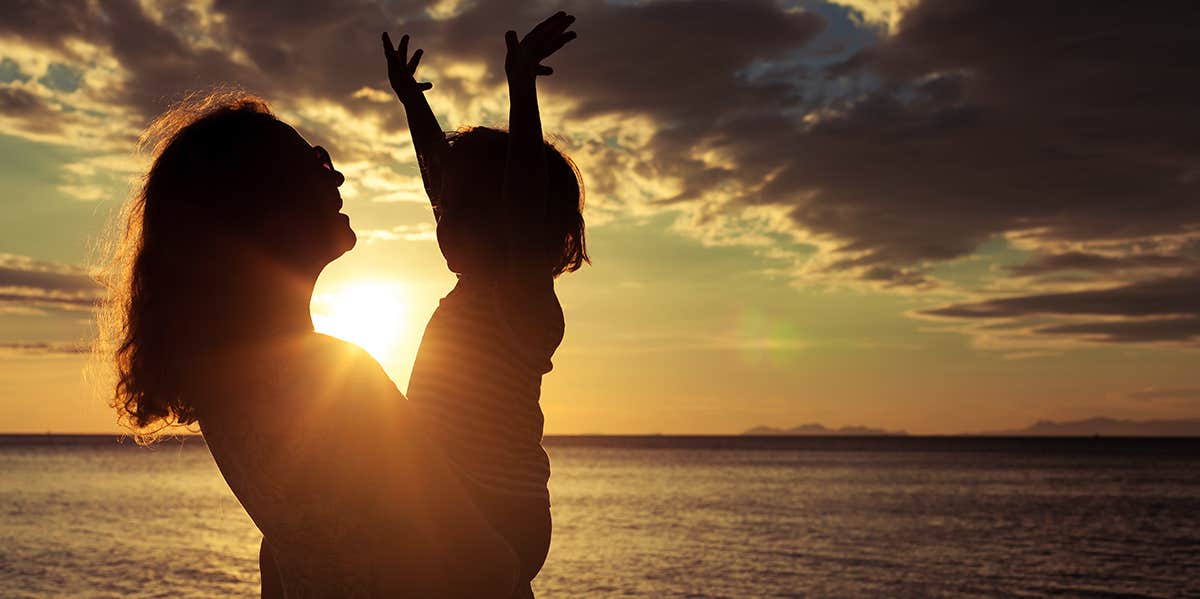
(373, 314)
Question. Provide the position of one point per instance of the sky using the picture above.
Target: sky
(935, 216)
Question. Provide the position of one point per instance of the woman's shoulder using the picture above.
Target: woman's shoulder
(317, 397)
(305, 380)
(339, 366)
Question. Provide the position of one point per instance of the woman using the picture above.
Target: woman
(210, 324)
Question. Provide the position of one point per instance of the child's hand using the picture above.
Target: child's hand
(401, 69)
(522, 61)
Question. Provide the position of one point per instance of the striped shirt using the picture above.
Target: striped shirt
(476, 384)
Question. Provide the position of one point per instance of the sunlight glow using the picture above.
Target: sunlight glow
(371, 314)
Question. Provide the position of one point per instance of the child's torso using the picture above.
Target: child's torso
(477, 384)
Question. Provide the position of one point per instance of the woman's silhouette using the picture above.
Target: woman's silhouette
(210, 324)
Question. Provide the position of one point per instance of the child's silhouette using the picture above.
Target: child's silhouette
(508, 209)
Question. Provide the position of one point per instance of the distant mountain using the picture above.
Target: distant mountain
(815, 429)
(1107, 427)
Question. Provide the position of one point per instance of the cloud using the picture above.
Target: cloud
(27, 285)
(1093, 262)
(419, 232)
(1156, 310)
(966, 136)
(27, 111)
(44, 348)
(872, 155)
(1171, 330)
(1161, 297)
(132, 59)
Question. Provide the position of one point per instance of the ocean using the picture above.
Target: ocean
(672, 517)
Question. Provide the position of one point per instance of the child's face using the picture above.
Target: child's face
(470, 228)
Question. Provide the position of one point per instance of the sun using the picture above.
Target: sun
(371, 314)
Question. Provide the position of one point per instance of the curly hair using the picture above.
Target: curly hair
(165, 276)
(482, 152)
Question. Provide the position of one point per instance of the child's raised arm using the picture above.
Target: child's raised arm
(525, 177)
(429, 140)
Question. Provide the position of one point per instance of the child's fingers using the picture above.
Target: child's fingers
(563, 24)
(510, 40)
(559, 42)
(388, 49)
(545, 24)
(416, 60)
(554, 26)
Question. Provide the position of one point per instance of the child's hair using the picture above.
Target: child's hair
(480, 153)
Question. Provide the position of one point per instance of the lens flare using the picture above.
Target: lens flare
(371, 314)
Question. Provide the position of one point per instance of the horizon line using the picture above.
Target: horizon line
(985, 434)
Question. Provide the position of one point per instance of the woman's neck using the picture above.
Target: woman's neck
(273, 302)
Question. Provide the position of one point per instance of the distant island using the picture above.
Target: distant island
(1091, 427)
(1105, 427)
(815, 429)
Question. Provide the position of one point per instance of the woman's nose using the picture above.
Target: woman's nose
(338, 177)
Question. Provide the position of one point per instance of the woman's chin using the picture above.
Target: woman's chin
(337, 240)
(347, 239)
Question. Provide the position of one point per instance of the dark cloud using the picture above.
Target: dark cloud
(49, 23)
(975, 119)
(679, 63)
(30, 283)
(162, 65)
(1084, 261)
(1156, 310)
(1066, 124)
(321, 49)
(1183, 330)
(16, 101)
(972, 120)
(993, 117)
(1160, 297)
(33, 113)
(45, 348)
(315, 47)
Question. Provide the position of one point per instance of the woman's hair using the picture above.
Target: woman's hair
(480, 154)
(169, 274)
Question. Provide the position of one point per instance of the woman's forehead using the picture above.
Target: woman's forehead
(287, 135)
(279, 147)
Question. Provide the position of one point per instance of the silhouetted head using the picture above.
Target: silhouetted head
(471, 229)
(234, 202)
(226, 173)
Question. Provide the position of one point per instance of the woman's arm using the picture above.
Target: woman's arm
(421, 493)
(425, 495)
(429, 140)
(524, 193)
(348, 481)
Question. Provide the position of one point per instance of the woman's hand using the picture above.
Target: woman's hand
(402, 69)
(524, 57)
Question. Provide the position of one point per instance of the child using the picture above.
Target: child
(508, 222)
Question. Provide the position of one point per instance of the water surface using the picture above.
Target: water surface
(672, 517)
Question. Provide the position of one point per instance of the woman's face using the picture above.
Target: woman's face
(309, 227)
